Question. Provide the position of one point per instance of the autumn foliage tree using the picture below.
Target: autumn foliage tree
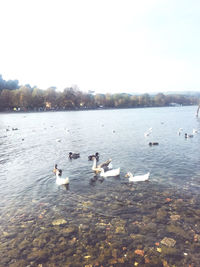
(13, 96)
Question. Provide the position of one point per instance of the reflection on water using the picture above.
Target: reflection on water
(100, 221)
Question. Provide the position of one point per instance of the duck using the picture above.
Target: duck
(96, 156)
(55, 170)
(153, 144)
(74, 155)
(109, 173)
(105, 165)
(60, 180)
(188, 135)
(138, 178)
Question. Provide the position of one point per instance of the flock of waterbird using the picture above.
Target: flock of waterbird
(194, 131)
(105, 169)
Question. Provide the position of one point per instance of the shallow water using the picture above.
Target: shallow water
(101, 221)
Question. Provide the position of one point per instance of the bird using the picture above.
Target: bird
(148, 132)
(74, 155)
(188, 135)
(138, 178)
(194, 131)
(60, 180)
(180, 131)
(153, 144)
(58, 140)
(96, 156)
(109, 173)
(58, 174)
(105, 165)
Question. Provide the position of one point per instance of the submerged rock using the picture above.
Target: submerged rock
(161, 215)
(178, 231)
(38, 255)
(167, 251)
(120, 230)
(169, 242)
(59, 222)
(69, 230)
(175, 217)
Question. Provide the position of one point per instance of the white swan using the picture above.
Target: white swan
(60, 180)
(194, 131)
(109, 173)
(138, 178)
(105, 165)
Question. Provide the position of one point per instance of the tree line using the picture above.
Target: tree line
(26, 98)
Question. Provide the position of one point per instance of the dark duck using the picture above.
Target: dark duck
(74, 155)
(153, 144)
(90, 157)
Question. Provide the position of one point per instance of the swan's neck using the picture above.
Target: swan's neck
(130, 175)
(57, 174)
(94, 164)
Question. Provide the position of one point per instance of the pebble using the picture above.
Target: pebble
(169, 242)
(59, 222)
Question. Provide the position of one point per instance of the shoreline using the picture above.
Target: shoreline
(87, 109)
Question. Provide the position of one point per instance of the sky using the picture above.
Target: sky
(108, 46)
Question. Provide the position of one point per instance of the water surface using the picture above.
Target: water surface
(104, 220)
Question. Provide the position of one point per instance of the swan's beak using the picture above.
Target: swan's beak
(127, 175)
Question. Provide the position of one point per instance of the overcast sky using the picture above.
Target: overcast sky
(105, 45)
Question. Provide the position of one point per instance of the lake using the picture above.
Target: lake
(95, 221)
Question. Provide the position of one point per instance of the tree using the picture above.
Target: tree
(5, 100)
(10, 84)
(50, 96)
(109, 101)
(25, 97)
(100, 100)
(159, 100)
(15, 96)
(38, 98)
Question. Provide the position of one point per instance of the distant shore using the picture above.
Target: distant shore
(87, 109)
